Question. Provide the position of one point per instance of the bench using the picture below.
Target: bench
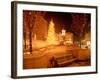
(62, 60)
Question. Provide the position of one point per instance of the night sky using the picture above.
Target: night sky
(71, 22)
(61, 20)
(66, 21)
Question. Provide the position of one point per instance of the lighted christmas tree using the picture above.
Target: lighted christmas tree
(51, 37)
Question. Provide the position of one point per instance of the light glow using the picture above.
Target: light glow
(51, 37)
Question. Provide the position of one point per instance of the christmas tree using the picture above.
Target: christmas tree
(51, 37)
